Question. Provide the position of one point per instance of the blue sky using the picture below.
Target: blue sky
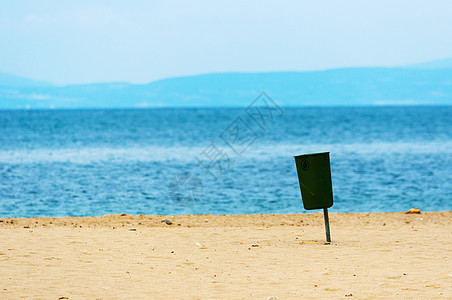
(140, 41)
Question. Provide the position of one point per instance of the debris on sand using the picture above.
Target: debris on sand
(201, 246)
(414, 211)
(168, 222)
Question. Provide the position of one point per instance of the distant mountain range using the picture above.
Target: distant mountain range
(420, 84)
(436, 64)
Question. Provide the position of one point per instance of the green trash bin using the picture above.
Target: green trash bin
(314, 177)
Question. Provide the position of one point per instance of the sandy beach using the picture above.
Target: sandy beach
(372, 255)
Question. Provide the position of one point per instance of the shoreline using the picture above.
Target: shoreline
(372, 255)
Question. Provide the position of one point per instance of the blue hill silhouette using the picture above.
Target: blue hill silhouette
(350, 86)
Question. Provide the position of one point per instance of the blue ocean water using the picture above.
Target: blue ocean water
(96, 162)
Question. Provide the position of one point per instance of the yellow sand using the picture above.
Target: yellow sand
(378, 255)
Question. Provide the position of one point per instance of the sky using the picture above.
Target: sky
(72, 42)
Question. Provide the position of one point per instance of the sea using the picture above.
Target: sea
(171, 161)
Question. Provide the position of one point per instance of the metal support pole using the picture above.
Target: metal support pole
(327, 225)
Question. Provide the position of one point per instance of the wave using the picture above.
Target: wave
(84, 155)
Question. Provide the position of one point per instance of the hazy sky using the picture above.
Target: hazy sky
(141, 41)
